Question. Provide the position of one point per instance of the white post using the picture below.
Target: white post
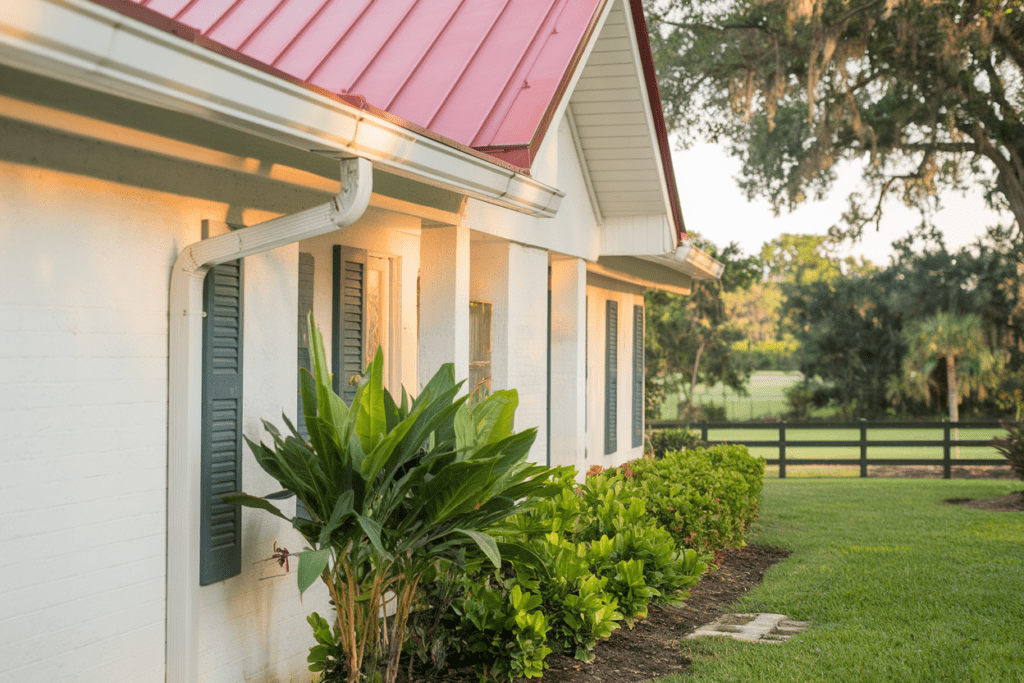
(444, 301)
(568, 362)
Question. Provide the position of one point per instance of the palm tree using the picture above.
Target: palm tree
(957, 339)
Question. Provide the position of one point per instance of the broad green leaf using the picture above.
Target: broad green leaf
(486, 544)
(372, 529)
(249, 501)
(494, 417)
(456, 489)
(311, 565)
(342, 509)
(371, 423)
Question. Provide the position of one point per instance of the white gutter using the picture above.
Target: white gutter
(184, 412)
(83, 43)
(690, 260)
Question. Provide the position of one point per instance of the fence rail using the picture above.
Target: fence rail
(948, 441)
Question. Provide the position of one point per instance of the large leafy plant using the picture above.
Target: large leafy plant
(392, 489)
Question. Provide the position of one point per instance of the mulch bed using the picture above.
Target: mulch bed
(1013, 502)
(935, 471)
(649, 649)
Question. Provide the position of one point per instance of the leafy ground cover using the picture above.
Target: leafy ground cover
(899, 586)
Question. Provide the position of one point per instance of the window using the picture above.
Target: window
(479, 348)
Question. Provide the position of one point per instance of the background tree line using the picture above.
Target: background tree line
(868, 340)
(924, 97)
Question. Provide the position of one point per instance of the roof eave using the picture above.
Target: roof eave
(130, 51)
(691, 261)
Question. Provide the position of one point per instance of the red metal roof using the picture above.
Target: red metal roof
(486, 74)
(480, 72)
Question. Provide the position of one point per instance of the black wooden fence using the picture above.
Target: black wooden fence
(786, 430)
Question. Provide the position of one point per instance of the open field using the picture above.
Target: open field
(766, 396)
(898, 586)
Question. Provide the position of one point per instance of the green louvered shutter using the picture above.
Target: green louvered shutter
(638, 376)
(349, 319)
(303, 358)
(611, 382)
(306, 264)
(220, 554)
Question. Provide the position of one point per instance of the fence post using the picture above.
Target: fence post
(863, 452)
(782, 451)
(946, 462)
(704, 432)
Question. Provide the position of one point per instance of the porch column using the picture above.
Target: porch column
(444, 301)
(568, 363)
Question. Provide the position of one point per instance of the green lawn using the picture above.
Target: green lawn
(898, 586)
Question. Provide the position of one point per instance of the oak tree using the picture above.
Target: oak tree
(927, 94)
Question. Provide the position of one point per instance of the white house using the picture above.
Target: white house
(486, 183)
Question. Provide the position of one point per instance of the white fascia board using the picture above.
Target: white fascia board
(95, 47)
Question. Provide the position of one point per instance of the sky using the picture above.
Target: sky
(714, 206)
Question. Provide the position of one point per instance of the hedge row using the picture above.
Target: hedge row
(588, 560)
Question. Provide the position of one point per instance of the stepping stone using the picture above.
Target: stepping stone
(752, 628)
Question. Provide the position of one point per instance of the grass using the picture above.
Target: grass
(898, 586)
(766, 396)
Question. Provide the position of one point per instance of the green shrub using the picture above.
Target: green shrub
(501, 629)
(664, 440)
(706, 498)
(1011, 447)
(612, 511)
(393, 489)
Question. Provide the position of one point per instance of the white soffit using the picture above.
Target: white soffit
(671, 272)
(643, 273)
(611, 112)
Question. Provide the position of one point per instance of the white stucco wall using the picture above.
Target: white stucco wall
(600, 290)
(86, 260)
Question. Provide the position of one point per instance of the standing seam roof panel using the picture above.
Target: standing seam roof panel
(318, 38)
(238, 27)
(519, 82)
(455, 67)
(545, 77)
(491, 70)
(440, 70)
(360, 44)
(396, 61)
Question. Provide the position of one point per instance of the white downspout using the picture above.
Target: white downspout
(185, 393)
